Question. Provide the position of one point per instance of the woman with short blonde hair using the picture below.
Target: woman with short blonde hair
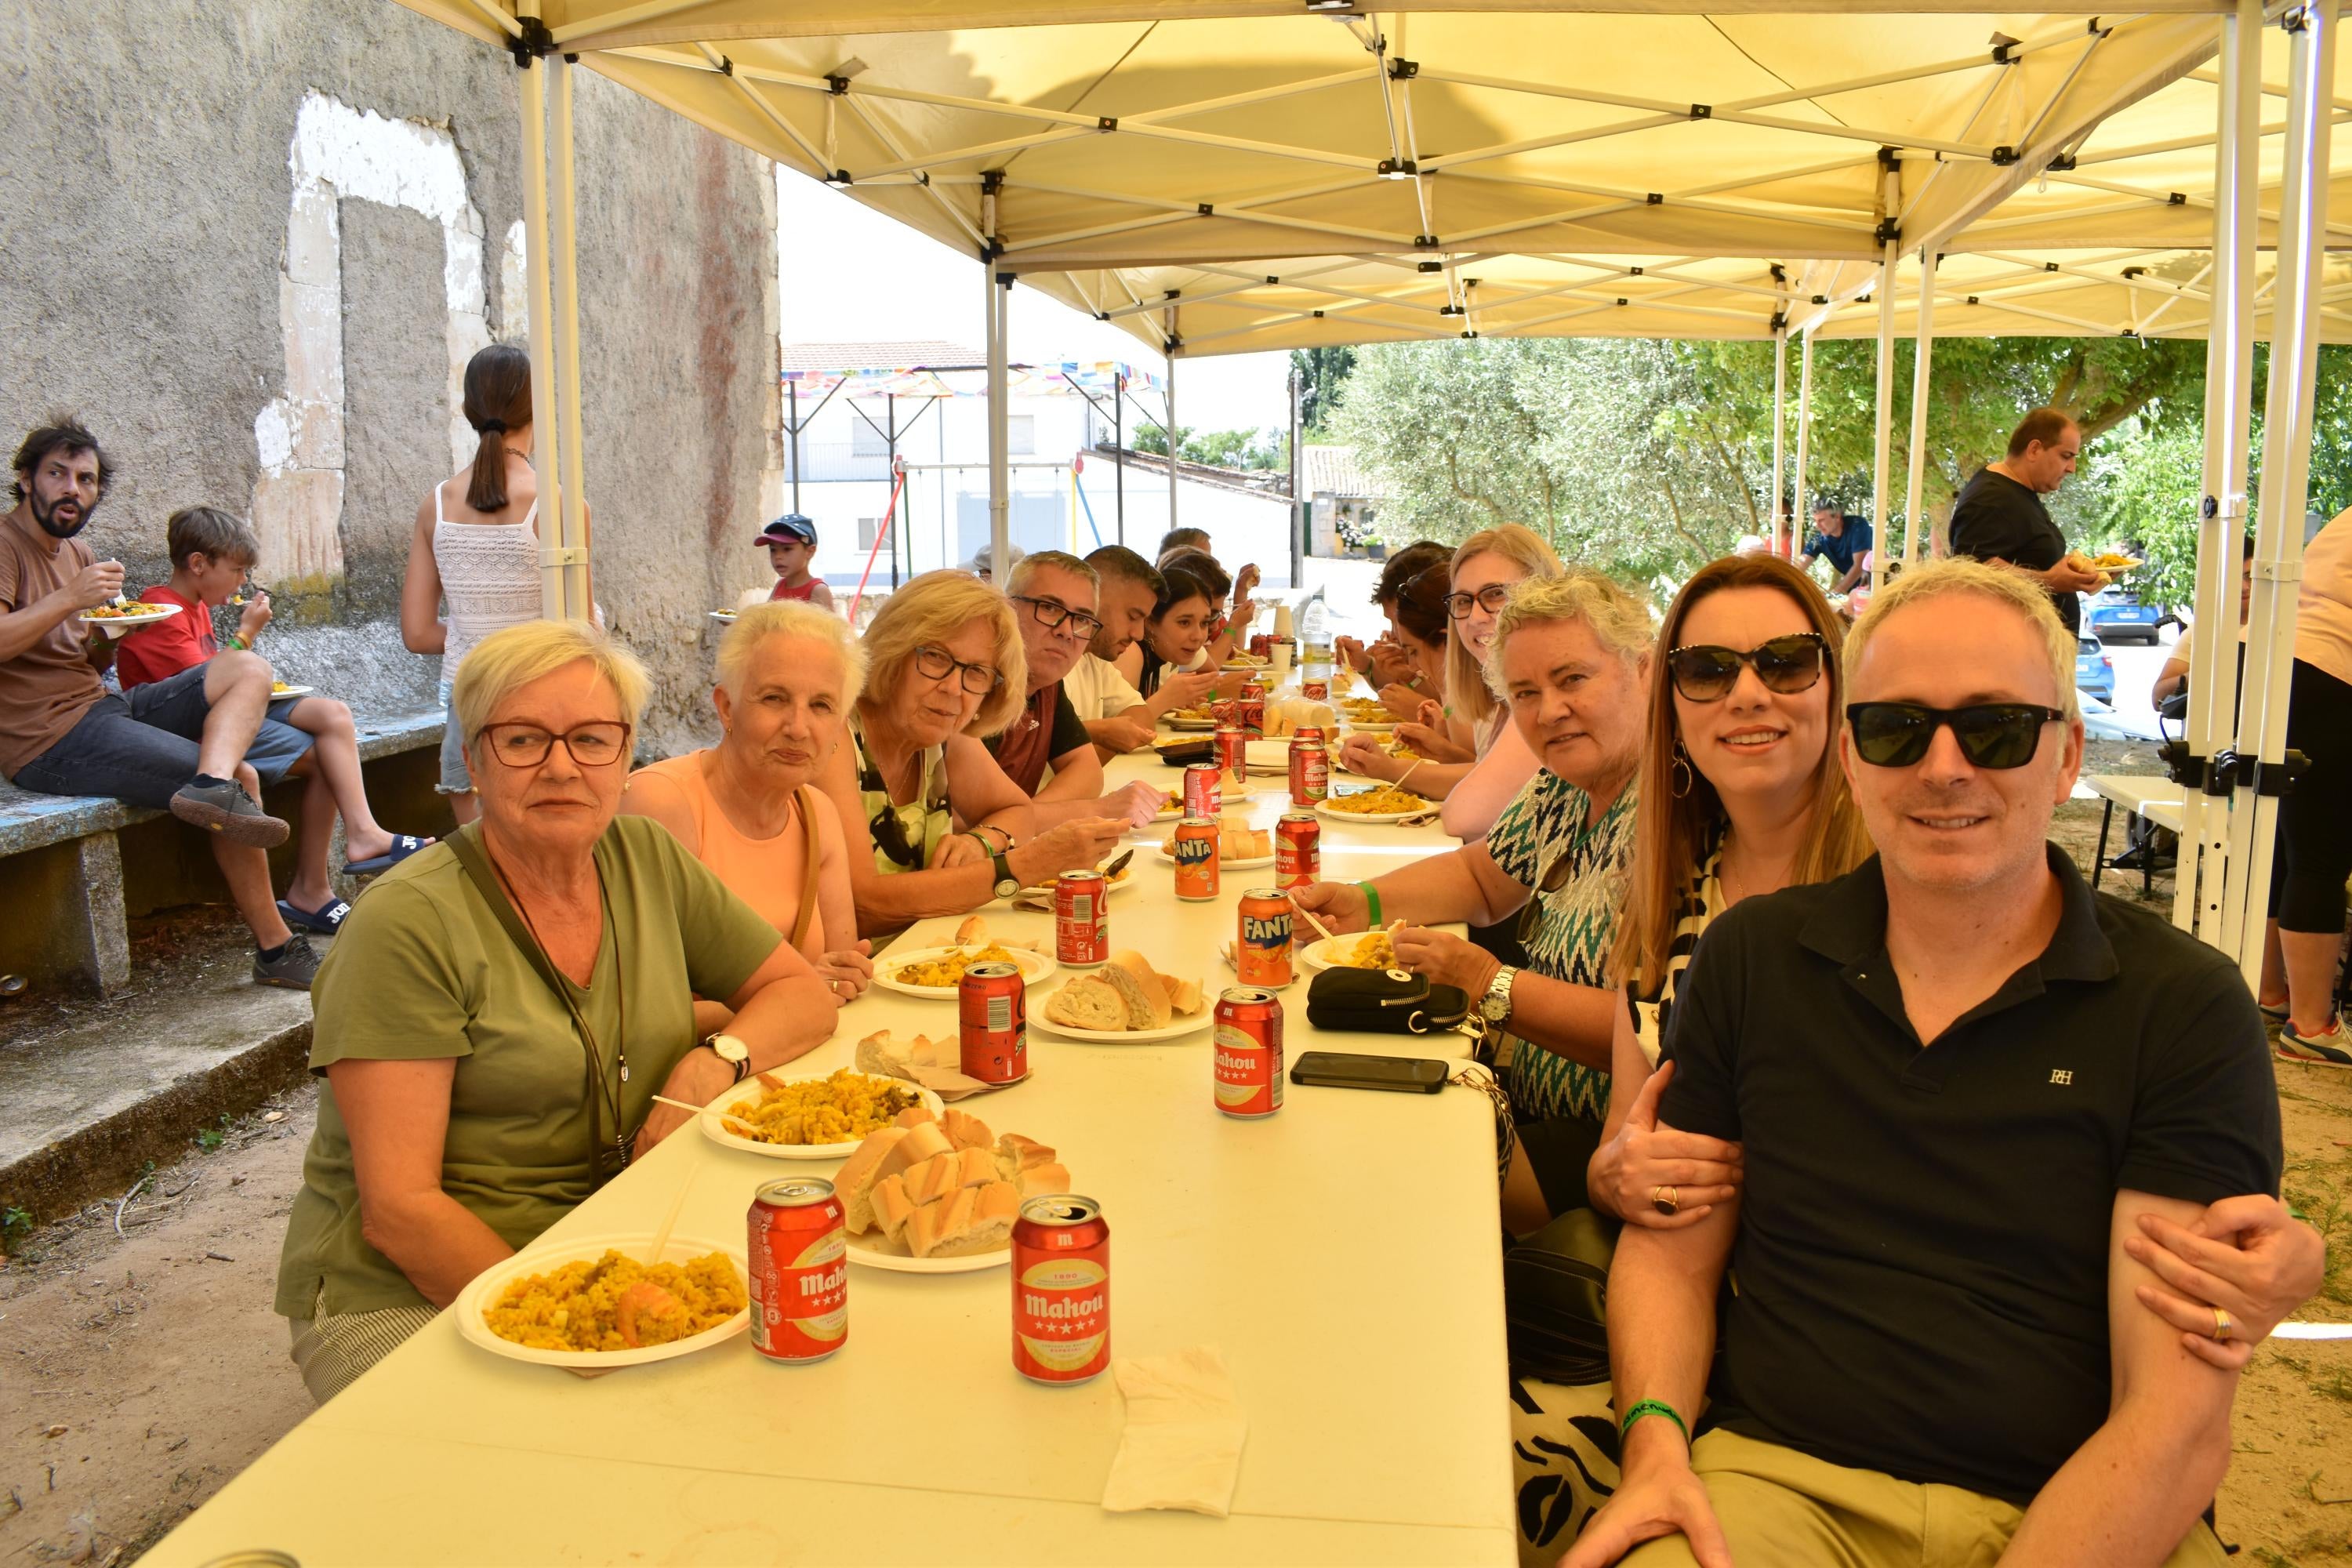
(931, 824)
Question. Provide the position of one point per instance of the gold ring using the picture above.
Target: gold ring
(1665, 1200)
(2222, 1326)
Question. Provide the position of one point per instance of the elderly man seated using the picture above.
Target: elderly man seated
(1045, 750)
(1967, 1090)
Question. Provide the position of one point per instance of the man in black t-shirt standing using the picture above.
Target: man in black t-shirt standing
(1840, 538)
(1999, 517)
(1054, 599)
(1960, 1082)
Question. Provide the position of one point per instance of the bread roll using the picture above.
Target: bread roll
(1043, 1181)
(923, 1141)
(973, 929)
(1087, 1002)
(1147, 1003)
(892, 1207)
(1155, 985)
(1015, 1154)
(878, 1053)
(913, 1116)
(976, 1167)
(1183, 995)
(987, 1227)
(966, 1131)
(935, 1223)
(854, 1180)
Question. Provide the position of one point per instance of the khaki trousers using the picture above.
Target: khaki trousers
(1780, 1509)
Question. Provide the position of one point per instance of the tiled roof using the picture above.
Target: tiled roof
(1332, 471)
(925, 351)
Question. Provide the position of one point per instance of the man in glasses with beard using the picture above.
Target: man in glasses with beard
(177, 744)
(1968, 1093)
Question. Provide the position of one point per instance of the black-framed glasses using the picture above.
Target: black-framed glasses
(1991, 734)
(597, 745)
(1705, 672)
(1490, 598)
(1052, 612)
(934, 663)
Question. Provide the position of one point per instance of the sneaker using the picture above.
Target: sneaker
(2327, 1048)
(224, 808)
(294, 968)
(2278, 1015)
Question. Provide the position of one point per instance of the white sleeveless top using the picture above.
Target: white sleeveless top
(490, 577)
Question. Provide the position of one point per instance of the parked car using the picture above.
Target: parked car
(2094, 672)
(2119, 616)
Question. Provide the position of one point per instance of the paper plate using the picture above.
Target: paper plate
(1229, 794)
(277, 696)
(1375, 727)
(715, 1128)
(725, 616)
(1252, 864)
(1324, 952)
(486, 1286)
(1035, 966)
(869, 1251)
(1040, 1024)
(1325, 808)
(152, 614)
(1042, 899)
(1189, 726)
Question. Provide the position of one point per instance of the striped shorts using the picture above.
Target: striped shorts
(331, 1352)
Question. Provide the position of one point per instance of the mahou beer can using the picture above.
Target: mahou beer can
(1205, 794)
(1297, 849)
(1251, 705)
(800, 1271)
(1248, 1072)
(1310, 772)
(993, 1024)
(1061, 1290)
(1232, 751)
(1081, 918)
(1196, 859)
(1262, 955)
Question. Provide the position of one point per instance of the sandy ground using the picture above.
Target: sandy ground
(139, 1373)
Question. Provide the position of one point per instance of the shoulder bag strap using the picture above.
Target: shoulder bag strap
(804, 802)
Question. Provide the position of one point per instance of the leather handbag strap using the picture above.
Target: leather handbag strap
(804, 802)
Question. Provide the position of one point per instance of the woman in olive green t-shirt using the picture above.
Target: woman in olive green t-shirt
(462, 1113)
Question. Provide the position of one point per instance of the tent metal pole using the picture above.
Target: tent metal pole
(793, 429)
(2201, 877)
(1173, 441)
(579, 601)
(1798, 500)
(1778, 512)
(2286, 460)
(531, 88)
(1118, 444)
(1882, 426)
(1923, 348)
(1000, 478)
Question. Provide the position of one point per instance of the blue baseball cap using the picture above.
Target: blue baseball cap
(790, 529)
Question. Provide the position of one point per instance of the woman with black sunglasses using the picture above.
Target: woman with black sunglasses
(934, 826)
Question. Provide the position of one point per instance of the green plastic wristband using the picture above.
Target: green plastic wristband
(1653, 1407)
(1373, 895)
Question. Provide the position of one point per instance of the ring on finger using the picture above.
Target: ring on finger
(2222, 1327)
(1665, 1200)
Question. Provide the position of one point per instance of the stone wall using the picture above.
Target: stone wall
(249, 243)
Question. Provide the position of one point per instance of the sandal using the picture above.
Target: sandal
(403, 845)
(326, 919)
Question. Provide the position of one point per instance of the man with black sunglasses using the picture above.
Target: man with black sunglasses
(1046, 751)
(1964, 1087)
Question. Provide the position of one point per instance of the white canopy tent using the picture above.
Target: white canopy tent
(1236, 176)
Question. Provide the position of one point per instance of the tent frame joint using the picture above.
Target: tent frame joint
(1402, 70)
(530, 40)
(2003, 156)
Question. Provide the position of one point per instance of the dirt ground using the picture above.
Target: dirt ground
(139, 1373)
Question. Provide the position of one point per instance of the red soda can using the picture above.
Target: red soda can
(1251, 706)
(1310, 772)
(1314, 690)
(1232, 751)
(1297, 849)
(1196, 859)
(1061, 1290)
(993, 1024)
(1262, 953)
(1204, 796)
(1081, 918)
(1259, 642)
(1314, 732)
(1226, 712)
(1248, 1072)
(800, 1270)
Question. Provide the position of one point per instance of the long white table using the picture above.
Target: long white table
(1342, 1255)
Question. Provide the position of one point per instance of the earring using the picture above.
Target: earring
(1680, 770)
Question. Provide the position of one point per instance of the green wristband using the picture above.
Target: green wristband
(1653, 1407)
(1373, 894)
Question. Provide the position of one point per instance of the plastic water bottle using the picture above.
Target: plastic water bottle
(1314, 621)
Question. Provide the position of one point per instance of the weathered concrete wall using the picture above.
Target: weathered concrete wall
(148, 187)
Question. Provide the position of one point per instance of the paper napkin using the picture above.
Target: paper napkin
(1183, 1444)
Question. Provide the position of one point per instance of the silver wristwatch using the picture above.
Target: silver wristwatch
(733, 1052)
(1496, 1004)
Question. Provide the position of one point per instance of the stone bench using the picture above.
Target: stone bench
(67, 890)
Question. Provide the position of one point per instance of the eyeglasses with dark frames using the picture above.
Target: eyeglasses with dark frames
(597, 745)
(1051, 613)
(1998, 735)
(1706, 672)
(1490, 598)
(934, 663)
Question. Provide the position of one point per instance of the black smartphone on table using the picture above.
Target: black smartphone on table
(1345, 1069)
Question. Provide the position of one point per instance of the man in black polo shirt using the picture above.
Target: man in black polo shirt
(1054, 598)
(1960, 1082)
(1999, 517)
(1840, 539)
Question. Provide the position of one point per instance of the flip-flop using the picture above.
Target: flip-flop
(326, 919)
(403, 845)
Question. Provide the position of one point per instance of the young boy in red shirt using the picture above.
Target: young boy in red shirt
(310, 738)
(791, 545)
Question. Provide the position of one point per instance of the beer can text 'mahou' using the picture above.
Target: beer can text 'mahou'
(1195, 854)
(1297, 849)
(1262, 951)
(800, 1271)
(1204, 794)
(993, 1024)
(1310, 772)
(1061, 1290)
(1081, 918)
(1248, 1046)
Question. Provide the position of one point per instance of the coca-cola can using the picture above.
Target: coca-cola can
(1195, 854)
(1310, 772)
(1251, 706)
(1297, 849)
(1248, 1051)
(800, 1270)
(1262, 948)
(1081, 918)
(993, 1024)
(1061, 1290)
(1258, 643)
(1314, 690)
(1232, 751)
(1205, 794)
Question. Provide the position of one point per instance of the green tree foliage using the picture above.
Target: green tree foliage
(1258, 450)
(1321, 374)
(1153, 438)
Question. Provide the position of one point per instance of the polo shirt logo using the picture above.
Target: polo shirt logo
(2061, 1076)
